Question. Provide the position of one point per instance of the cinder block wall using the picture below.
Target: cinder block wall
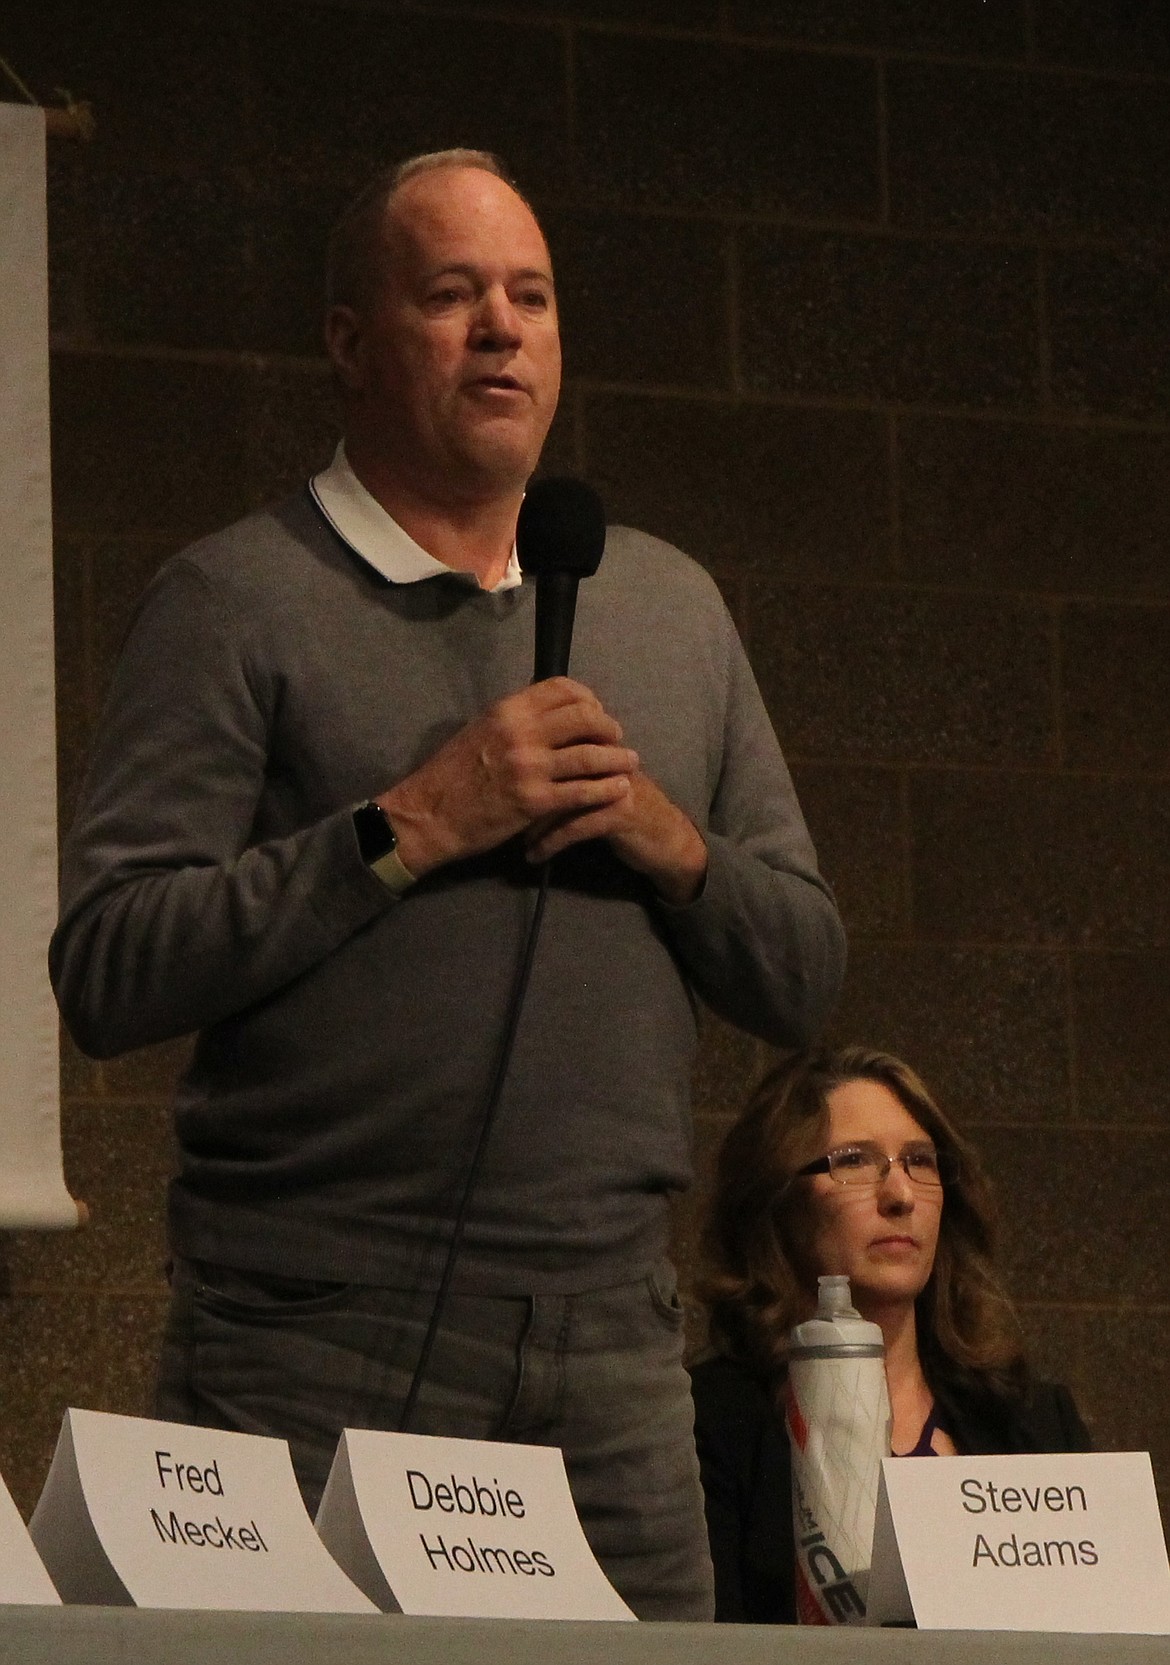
(866, 307)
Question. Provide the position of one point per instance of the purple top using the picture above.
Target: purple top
(924, 1448)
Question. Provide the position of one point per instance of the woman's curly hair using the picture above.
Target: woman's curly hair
(968, 1333)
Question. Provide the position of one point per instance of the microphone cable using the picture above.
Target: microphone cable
(487, 1122)
(560, 538)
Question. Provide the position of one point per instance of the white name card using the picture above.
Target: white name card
(1068, 1541)
(463, 1528)
(156, 1514)
(23, 1578)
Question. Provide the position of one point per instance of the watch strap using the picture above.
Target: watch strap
(393, 872)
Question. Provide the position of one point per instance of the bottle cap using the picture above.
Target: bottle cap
(834, 1297)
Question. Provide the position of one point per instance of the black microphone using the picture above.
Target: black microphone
(560, 539)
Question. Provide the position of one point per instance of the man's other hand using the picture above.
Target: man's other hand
(649, 833)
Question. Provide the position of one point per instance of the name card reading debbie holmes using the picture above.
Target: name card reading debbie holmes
(1067, 1542)
(461, 1528)
(161, 1515)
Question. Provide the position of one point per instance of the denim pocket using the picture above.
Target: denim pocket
(236, 1292)
(662, 1283)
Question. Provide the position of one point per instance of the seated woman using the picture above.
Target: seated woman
(843, 1163)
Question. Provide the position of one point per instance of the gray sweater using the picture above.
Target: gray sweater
(212, 882)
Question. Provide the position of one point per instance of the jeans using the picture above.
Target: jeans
(598, 1374)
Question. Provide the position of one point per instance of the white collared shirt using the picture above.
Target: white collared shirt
(360, 520)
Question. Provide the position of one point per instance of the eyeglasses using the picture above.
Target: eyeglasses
(865, 1164)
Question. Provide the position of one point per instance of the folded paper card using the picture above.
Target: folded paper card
(23, 1578)
(157, 1514)
(468, 1528)
(1070, 1541)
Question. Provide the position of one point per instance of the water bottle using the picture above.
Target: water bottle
(838, 1417)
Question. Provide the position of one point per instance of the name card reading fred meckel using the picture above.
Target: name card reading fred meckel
(461, 1528)
(1063, 1541)
(23, 1579)
(157, 1514)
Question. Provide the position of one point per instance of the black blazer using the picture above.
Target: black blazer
(747, 1479)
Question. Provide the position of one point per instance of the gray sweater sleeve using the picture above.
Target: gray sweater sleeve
(763, 944)
(173, 916)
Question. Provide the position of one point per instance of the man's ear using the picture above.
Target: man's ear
(344, 342)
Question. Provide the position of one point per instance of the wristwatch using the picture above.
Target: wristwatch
(378, 847)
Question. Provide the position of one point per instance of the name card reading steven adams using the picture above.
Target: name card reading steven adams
(466, 1528)
(23, 1578)
(158, 1514)
(1067, 1542)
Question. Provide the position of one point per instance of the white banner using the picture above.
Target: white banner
(32, 1186)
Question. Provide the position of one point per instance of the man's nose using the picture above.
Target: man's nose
(497, 323)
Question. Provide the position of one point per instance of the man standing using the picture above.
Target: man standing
(309, 832)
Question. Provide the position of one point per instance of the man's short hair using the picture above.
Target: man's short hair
(352, 257)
